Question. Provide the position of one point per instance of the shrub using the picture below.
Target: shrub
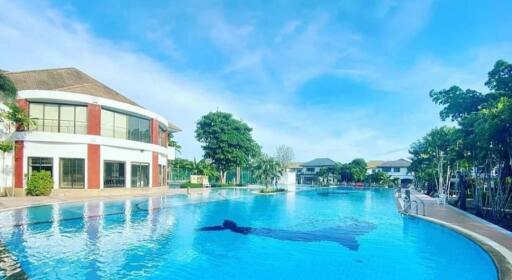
(190, 185)
(39, 183)
(227, 185)
(278, 190)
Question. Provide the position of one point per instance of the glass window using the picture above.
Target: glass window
(72, 173)
(114, 174)
(36, 111)
(145, 129)
(51, 117)
(396, 169)
(120, 126)
(67, 119)
(107, 123)
(40, 164)
(133, 129)
(140, 175)
(59, 118)
(162, 136)
(80, 119)
(386, 169)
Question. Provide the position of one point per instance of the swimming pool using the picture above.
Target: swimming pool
(338, 233)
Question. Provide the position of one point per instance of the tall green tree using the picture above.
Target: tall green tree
(484, 147)
(358, 169)
(226, 141)
(434, 158)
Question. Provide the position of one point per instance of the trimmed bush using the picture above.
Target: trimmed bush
(40, 183)
(190, 185)
(272, 190)
(227, 185)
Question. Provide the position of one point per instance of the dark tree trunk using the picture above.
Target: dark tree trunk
(463, 187)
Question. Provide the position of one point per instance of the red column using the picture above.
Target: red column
(154, 131)
(18, 164)
(93, 166)
(93, 119)
(154, 165)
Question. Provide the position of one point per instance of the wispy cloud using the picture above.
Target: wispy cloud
(261, 73)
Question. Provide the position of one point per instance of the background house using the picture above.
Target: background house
(394, 168)
(308, 174)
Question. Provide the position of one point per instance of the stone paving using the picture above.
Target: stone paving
(7, 203)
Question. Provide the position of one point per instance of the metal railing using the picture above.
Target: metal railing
(417, 206)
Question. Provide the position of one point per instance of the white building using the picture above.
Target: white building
(87, 135)
(308, 174)
(394, 168)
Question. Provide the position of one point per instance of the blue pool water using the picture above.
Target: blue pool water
(311, 234)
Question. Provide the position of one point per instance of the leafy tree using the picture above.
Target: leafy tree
(358, 169)
(226, 141)
(434, 157)
(483, 148)
(8, 90)
(325, 175)
(173, 143)
(205, 168)
(285, 155)
(354, 171)
(267, 170)
(379, 178)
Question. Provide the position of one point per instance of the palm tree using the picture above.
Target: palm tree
(267, 170)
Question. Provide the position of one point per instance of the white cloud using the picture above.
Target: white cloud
(38, 36)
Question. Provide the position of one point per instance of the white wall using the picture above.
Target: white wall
(56, 151)
(128, 156)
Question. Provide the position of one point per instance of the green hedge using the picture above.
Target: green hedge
(218, 185)
(272, 190)
(40, 183)
(190, 185)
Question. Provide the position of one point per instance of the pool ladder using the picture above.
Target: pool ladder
(417, 206)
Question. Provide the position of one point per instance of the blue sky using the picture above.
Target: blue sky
(340, 80)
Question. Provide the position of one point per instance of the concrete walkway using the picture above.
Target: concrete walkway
(9, 203)
(496, 240)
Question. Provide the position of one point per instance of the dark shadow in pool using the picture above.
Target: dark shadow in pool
(344, 235)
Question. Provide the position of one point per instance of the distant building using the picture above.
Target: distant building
(308, 174)
(394, 168)
(371, 166)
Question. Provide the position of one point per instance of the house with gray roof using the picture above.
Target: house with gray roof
(308, 173)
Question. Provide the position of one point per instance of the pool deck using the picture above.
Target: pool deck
(9, 203)
(494, 239)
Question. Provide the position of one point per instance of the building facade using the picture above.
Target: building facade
(87, 135)
(308, 173)
(395, 168)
